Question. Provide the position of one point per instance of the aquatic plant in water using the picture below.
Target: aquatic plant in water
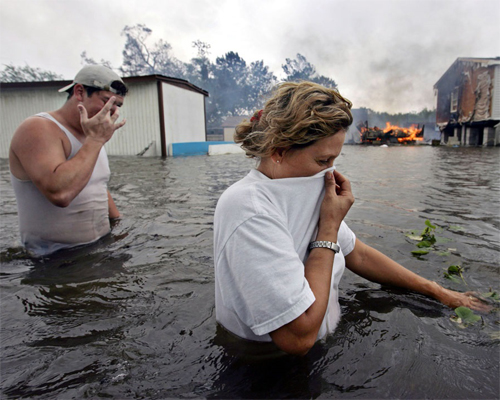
(491, 295)
(426, 243)
(453, 272)
(425, 240)
(465, 316)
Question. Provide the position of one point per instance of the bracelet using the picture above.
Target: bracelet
(328, 245)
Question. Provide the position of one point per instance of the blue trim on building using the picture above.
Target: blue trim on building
(192, 148)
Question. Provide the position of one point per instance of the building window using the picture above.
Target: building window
(454, 100)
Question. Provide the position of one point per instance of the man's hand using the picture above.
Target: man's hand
(101, 126)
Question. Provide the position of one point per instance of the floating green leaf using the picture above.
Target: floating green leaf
(466, 315)
(456, 228)
(428, 223)
(495, 335)
(428, 232)
(451, 277)
(453, 272)
(491, 295)
(414, 237)
(455, 269)
(427, 239)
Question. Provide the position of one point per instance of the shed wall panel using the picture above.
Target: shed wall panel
(142, 129)
(184, 113)
(17, 105)
(229, 134)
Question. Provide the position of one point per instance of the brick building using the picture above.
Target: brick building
(468, 102)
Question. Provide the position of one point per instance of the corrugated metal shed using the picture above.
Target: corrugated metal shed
(159, 110)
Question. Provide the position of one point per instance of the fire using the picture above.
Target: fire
(411, 133)
(390, 134)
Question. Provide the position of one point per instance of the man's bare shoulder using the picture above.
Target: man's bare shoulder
(35, 131)
(37, 141)
(34, 124)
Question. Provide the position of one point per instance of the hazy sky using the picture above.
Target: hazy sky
(383, 54)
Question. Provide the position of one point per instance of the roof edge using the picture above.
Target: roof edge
(127, 79)
(479, 60)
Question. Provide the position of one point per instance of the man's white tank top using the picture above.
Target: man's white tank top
(45, 227)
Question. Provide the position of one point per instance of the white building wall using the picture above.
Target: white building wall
(495, 106)
(142, 129)
(184, 114)
(19, 104)
(229, 134)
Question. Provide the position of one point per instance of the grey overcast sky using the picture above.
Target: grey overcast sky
(383, 54)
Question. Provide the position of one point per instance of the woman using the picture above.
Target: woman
(280, 243)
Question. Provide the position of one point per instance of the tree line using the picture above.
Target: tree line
(235, 86)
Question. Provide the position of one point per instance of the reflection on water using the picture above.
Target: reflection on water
(133, 315)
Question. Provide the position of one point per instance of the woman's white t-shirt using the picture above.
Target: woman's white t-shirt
(262, 229)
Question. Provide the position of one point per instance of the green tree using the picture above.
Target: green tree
(201, 68)
(324, 81)
(235, 88)
(12, 73)
(90, 61)
(230, 89)
(300, 69)
(200, 72)
(260, 82)
(401, 119)
(141, 59)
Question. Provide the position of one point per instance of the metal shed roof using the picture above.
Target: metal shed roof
(182, 83)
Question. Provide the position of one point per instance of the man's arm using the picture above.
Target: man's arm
(113, 210)
(371, 264)
(38, 154)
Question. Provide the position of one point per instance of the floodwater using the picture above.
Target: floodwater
(133, 315)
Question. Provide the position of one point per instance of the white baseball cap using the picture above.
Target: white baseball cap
(97, 76)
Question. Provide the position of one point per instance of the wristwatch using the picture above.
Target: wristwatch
(322, 243)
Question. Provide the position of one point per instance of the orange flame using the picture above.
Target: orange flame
(411, 132)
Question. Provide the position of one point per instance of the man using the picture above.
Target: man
(59, 167)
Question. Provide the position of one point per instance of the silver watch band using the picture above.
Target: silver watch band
(322, 243)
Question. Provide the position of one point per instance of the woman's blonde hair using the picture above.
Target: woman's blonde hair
(296, 115)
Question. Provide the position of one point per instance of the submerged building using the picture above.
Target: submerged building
(468, 102)
(165, 116)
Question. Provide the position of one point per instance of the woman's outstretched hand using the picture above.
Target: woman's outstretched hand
(454, 299)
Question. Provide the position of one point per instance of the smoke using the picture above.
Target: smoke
(387, 55)
(383, 54)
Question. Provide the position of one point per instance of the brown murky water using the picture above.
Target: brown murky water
(133, 316)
